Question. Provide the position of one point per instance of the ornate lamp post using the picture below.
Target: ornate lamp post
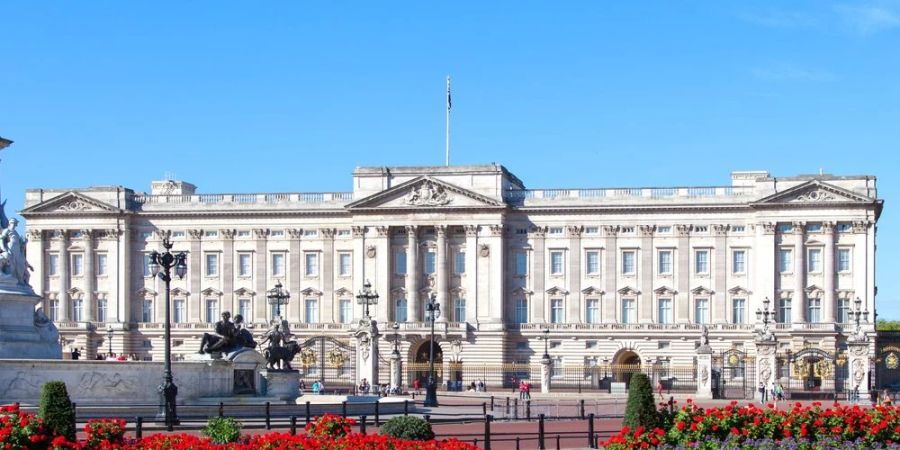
(396, 327)
(433, 311)
(161, 265)
(278, 296)
(109, 336)
(367, 297)
(546, 344)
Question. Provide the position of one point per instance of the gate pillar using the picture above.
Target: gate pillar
(766, 365)
(366, 335)
(704, 367)
(859, 367)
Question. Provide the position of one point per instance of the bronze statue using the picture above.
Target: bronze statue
(280, 351)
(243, 338)
(223, 339)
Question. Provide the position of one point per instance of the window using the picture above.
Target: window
(277, 264)
(701, 229)
(177, 234)
(310, 233)
(814, 227)
(628, 262)
(459, 310)
(739, 261)
(343, 232)
(556, 310)
(521, 313)
(53, 265)
(77, 310)
(54, 310)
(738, 310)
(521, 264)
(665, 310)
(245, 264)
(785, 228)
(276, 233)
(179, 316)
(344, 264)
(556, 370)
(701, 310)
(400, 262)
(627, 310)
(556, 263)
(400, 310)
(843, 310)
(212, 310)
(312, 310)
(783, 315)
(785, 260)
(243, 233)
(211, 234)
(522, 345)
(591, 230)
(844, 228)
(814, 310)
(147, 311)
(592, 310)
(665, 262)
(244, 308)
(77, 265)
(664, 229)
(555, 231)
(738, 228)
(101, 310)
(701, 261)
(592, 261)
(459, 262)
(345, 312)
(312, 265)
(101, 264)
(145, 268)
(843, 260)
(814, 263)
(429, 262)
(212, 264)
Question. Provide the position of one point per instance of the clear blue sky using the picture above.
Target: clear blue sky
(290, 96)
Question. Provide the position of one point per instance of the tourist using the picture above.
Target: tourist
(887, 398)
(302, 386)
(779, 392)
(659, 389)
(321, 387)
(527, 390)
(315, 387)
(522, 390)
(76, 354)
(416, 385)
(762, 392)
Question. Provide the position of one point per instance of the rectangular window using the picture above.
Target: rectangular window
(665, 310)
(665, 262)
(739, 261)
(521, 264)
(244, 309)
(145, 268)
(843, 310)
(211, 234)
(147, 310)
(429, 262)
(664, 229)
(101, 310)
(212, 310)
(844, 228)
(400, 310)
(814, 262)
(277, 264)
(785, 260)
(701, 261)
(592, 310)
(344, 264)
(785, 228)
(179, 316)
(843, 260)
(627, 310)
(556, 310)
(591, 230)
(555, 231)
(53, 265)
(592, 262)
(312, 265)
(312, 310)
(521, 313)
(701, 310)
(783, 315)
(77, 265)
(459, 262)
(54, 310)
(212, 264)
(814, 310)
(738, 310)
(459, 310)
(101, 264)
(628, 262)
(400, 262)
(556, 263)
(346, 311)
(245, 265)
(77, 310)
(814, 227)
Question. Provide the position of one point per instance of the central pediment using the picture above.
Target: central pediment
(426, 193)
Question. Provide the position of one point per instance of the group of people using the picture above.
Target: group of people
(524, 390)
(477, 386)
(318, 387)
(775, 392)
(382, 390)
(76, 353)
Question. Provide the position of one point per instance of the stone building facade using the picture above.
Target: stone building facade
(617, 276)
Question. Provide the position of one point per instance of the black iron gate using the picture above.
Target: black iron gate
(734, 375)
(329, 361)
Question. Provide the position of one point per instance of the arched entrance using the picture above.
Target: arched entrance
(421, 363)
(625, 364)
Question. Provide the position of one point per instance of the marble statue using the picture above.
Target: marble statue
(13, 266)
(704, 336)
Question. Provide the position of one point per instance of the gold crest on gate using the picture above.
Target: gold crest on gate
(891, 361)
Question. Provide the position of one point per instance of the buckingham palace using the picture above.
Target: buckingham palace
(599, 280)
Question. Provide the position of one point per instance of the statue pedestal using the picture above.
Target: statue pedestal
(546, 364)
(366, 335)
(396, 370)
(25, 334)
(766, 365)
(858, 361)
(283, 384)
(704, 372)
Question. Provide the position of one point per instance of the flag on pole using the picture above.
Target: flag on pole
(449, 103)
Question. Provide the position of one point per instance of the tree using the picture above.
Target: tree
(56, 409)
(641, 408)
(887, 325)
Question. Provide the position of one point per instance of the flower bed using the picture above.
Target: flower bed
(20, 430)
(753, 427)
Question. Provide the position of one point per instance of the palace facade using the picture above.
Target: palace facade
(610, 276)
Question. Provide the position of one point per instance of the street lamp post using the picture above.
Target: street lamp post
(161, 265)
(109, 336)
(765, 314)
(278, 296)
(546, 344)
(367, 297)
(433, 310)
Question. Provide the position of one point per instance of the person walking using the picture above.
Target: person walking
(659, 389)
(762, 392)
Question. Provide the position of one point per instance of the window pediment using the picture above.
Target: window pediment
(665, 290)
(556, 290)
(208, 292)
(738, 290)
(628, 290)
(702, 290)
(591, 290)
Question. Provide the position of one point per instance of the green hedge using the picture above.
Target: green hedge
(56, 409)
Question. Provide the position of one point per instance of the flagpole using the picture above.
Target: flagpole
(447, 144)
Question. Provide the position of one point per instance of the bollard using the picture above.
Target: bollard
(428, 418)
(405, 407)
(487, 432)
(362, 424)
(483, 408)
(138, 427)
(307, 413)
(492, 403)
(528, 410)
(557, 442)
(293, 425)
(581, 408)
(516, 409)
(475, 442)
(591, 430)
(221, 409)
(517, 443)
(377, 414)
(344, 409)
(541, 432)
(268, 416)
(507, 406)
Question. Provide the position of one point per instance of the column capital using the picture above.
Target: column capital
(62, 235)
(574, 231)
(440, 231)
(828, 227)
(195, 234)
(860, 226)
(327, 233)
(358, 231)
(647, 230)
(34, 235)
(767, 227)
(537, 231)
(227, 234)
(720, 229)
(496, 230)
(382, 231)
(261, 233)
(87, 234)
(412, 230)
(294, 233)
(684, 230)
(162, 234)
(799, 227)
(471, 230)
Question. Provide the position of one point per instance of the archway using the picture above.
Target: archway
(421, 363)
(625, 364)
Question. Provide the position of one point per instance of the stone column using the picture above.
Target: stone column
(195, 268)
(765, 267)
(858, 352)
(491, 310)
(294, 274)
(366, 335)
(798, 299)
(610, 274)
(328, 306)
(413, 308)
(719, 266)
(471, 279)
(359, 271)
(546, 367)
(65, 307)
(574, 311)
(261, 308)
(35, 250)
(766, 364)
(441, 275)
(381, 276)
(227, 275)
(90, 279)
(829, 273)
(683, 275)
(538, 276)
(704, 372)
(645, 305)
(124, 274)
(396, 370)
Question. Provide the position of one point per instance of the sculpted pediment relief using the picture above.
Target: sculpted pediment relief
(812, 193)
(71, 203)
(425, 192)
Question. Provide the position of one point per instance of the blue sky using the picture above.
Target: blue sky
(290, 96)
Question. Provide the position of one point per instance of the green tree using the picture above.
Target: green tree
(887, 325)
(641, 408)
(56, 410)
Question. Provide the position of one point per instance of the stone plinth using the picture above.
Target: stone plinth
(858, 361)
(396, 370)
(546, 364)
(283, 384)
(366, 335)
(765, 364)
(704, 372)
(24, 333)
